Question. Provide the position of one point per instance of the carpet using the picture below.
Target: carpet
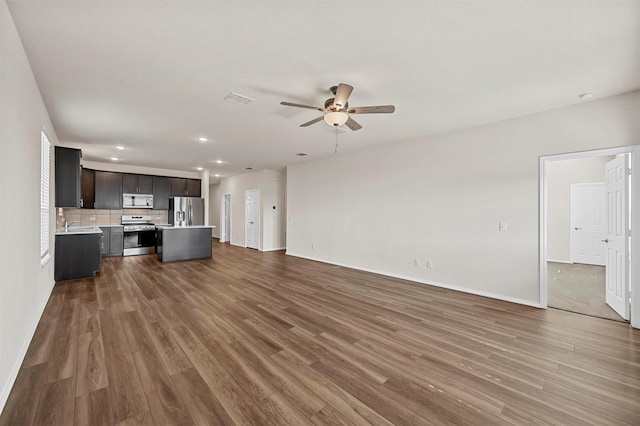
(578, 288)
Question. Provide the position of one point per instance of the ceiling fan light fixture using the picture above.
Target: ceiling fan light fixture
(336, 118)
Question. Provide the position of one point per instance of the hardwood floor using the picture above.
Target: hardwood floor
(264, 338)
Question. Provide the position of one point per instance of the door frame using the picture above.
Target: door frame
(257, 190)
(634, 262)
(223, 218)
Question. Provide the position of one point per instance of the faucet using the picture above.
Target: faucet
(67, 224)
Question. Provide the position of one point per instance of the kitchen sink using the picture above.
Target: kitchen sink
(79, 230)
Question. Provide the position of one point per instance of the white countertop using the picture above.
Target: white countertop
(78, 230)
(184, 227)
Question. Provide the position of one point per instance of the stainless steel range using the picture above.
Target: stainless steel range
(139, 235)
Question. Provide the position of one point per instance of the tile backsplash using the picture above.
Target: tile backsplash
(107, 217)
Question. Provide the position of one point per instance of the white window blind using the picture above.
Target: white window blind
(45, 157)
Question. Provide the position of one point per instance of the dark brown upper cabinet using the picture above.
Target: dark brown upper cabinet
(88, 189)
(67, 172)
(181, 187)
(108, 190)
(178, 187)
(137, 184)
(161, 192)
(193, 188)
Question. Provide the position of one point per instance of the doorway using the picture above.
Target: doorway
(225, 218)
(252, 219)
(576, 241)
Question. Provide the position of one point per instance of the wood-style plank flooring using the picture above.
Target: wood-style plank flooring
(264, 338)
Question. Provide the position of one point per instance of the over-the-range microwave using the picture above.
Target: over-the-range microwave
(137, 201)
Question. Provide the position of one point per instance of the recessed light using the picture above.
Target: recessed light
(219, 161)
(114, 159)
(586, 95)
(120, 147)
(203, 139)
(199, 169)
(217, 175)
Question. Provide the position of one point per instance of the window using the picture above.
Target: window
(45, 150)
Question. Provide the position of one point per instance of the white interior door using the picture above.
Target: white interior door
(587, 223)
(252, 218)
(227, 210)
(225, 222)
(616, 241)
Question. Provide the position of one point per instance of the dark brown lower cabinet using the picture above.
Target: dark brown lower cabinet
(112, 241)
(77, 256)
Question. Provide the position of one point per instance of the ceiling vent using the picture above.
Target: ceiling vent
(237, 99)
(301, 154)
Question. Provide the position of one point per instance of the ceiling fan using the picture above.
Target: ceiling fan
(336, 110)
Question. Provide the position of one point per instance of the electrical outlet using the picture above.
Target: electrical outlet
(313, 245)
(429, 264)
(416, 262)
(502, 226)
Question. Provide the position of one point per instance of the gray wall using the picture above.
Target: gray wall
(441, 198)
(25, 284)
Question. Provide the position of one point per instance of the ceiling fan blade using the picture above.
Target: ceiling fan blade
(301, 106)
(314, 121)
(342, 95)
(353, 124)
(380, 109)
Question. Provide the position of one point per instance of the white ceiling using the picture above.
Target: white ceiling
(151, 76)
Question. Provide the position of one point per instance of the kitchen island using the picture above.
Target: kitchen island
(177, 243)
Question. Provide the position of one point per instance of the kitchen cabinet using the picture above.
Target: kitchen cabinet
(178, 187)
(88, 189)
(112, 241)
(77, 256)
(161, 192)
(116, 241)
(193, 188)
(104, 243)
(108, 190)
(67, 173)
(184, 243)
(181, 187)
(137, 184)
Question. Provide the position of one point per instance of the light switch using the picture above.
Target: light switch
(502, 226)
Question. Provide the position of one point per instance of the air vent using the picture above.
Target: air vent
(237, 99)
(301, 154)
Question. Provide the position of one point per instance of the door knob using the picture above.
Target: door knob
(577, 229)
(606, 240)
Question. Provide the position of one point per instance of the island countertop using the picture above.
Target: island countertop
(163, 226)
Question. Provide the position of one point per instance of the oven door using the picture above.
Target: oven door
(139, 242)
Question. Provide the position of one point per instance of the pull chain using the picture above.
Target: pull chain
(336, 150)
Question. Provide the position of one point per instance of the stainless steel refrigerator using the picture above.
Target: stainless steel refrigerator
(186, 211)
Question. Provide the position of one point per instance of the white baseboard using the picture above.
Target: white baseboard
(276, 249)
(433, 283)
(8, 385)
(560, 261)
